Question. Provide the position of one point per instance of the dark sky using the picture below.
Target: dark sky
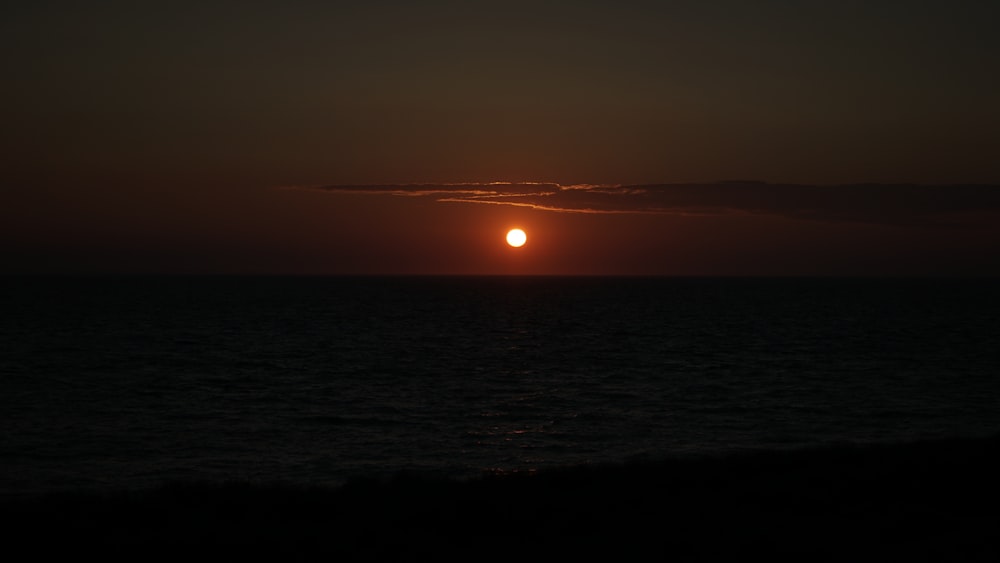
(330, 137)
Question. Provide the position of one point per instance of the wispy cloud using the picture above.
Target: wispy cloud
(869, 203)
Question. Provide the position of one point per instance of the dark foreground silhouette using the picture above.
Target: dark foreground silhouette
(936, 501)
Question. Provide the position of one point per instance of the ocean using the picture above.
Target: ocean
(125, 383)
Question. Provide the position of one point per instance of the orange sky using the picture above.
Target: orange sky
(163, 137)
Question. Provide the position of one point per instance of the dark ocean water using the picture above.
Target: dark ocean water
(120, 383)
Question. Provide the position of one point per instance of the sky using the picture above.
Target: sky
(626, 138)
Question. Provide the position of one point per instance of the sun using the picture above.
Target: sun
(516, 237)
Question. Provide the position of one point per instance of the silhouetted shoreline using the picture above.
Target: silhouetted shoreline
(922, 501)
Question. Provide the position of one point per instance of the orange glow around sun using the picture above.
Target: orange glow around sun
(516, 238)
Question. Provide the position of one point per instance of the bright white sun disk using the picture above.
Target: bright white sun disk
(516, 237)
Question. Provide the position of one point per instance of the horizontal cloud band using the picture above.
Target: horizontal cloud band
(871, 203)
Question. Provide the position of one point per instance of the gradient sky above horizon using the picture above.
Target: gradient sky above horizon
(164, 137)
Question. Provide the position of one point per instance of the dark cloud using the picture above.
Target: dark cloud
(869, 203)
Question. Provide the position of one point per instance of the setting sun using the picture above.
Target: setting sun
(516, 237)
